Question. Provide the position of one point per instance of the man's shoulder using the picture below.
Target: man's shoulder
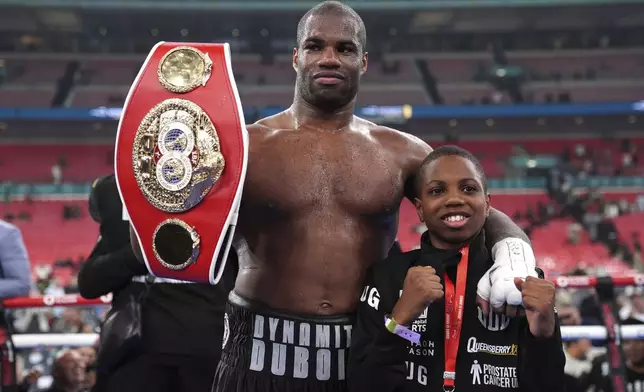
(8, 231)
(271, 123)
(6, 227)
(400, 142)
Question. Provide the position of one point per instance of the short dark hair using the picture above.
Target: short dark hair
(334, 8)
(446, 151)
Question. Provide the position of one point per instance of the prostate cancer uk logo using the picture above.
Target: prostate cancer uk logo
(498, 376)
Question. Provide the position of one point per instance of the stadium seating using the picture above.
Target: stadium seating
(48, 236)
(34, 162)
(588, 76)
(86, 162)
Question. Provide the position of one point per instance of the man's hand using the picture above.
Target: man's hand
(422, 287)
(513, 258)
(31, 378)
(539, 303)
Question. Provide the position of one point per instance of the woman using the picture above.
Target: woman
(419, 327)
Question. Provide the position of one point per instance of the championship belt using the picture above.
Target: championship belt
(181, 156)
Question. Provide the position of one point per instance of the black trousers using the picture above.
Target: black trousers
(160, 373)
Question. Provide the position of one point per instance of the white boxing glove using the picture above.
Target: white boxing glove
(513, 258)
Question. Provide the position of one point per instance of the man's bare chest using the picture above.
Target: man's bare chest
(304, 174)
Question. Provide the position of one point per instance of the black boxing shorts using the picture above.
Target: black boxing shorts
(266, 351)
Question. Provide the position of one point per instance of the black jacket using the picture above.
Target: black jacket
(599, 378)
(494, 354)
(178, 319)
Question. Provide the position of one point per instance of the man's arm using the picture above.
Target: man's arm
(499, 226)
(542, 362)
(108, 270)
(16, 275)
(112, 263)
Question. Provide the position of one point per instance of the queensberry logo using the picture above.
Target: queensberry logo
(474, 346)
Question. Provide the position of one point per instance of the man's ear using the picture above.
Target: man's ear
(365, 62)
(295, 56)
(488, 198)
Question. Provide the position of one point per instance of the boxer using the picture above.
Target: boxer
(320, 205)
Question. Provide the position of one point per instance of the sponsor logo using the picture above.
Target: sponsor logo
(474, 346)
(50, 300)
(574, 281)
(498, 376)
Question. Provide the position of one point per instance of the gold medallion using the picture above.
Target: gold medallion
(183, 69)
(176, 155)
(175, 244)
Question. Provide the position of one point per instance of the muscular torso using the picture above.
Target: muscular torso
(318, 208)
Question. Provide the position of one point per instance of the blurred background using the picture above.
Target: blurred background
(548, 94)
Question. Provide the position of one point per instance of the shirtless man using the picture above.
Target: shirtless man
(320, 205)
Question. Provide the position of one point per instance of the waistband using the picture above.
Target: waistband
(260, 339)
(259, 308)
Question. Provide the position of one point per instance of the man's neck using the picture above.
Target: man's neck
(306, 115)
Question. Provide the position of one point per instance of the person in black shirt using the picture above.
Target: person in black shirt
(182, 322)
(419, 327)
(634, 352)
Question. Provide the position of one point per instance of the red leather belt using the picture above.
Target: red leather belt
(181, 157)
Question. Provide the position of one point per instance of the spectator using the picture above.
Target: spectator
(634, 377)
(577, 364)
(634, 306)
(89, 356)
(57, 174)
(15, 274)
(29, 381)
(32, 320)
(68, 372)
(182, 323)
(71, 321)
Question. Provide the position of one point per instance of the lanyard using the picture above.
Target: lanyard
(454, 304)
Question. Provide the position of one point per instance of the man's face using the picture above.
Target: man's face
(88, 354)
(329, 61)
(452, 202)
(73, 368)
(634, 351)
